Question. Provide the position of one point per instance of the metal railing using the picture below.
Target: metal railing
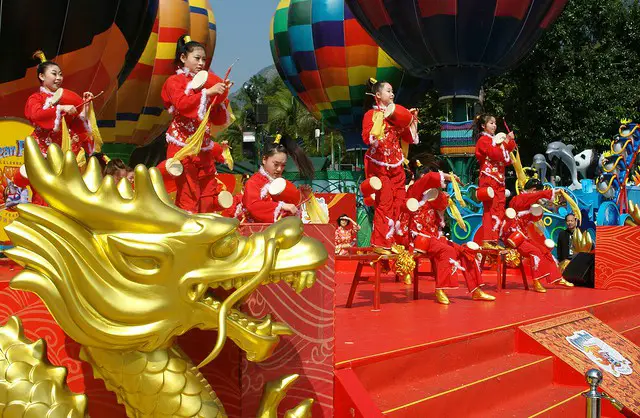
(594, 397)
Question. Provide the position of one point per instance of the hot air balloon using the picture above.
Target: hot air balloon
(456, 43)
(97, 43)
(135, 114)
(325, 58)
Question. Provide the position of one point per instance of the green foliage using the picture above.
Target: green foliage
(582, 77)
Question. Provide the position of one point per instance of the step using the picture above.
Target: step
(390, 374)
(620, 315)
(632, 334)
(551, 400)
(480, 387)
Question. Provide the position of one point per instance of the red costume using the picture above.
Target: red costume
(543, 264)
(492, 160)
(257, 204)
(345, 238)
(448, 256)
(46, 119)
(235, 211)
(197, 187)
(384, 160)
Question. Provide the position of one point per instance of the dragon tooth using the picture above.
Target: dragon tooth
(227, 284)
(265, 327)
(251, 326)
(237, 283)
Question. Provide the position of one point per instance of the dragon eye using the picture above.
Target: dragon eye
(225, 247)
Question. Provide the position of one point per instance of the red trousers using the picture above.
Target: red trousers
(450, 258)
(493, 210)
(543, 265)
(388, 202)
(197, 188)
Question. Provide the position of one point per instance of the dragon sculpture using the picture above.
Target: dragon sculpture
(618, 164)
(125, 272)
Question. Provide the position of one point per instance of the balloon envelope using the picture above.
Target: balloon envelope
(97, 44)
(457, 43)
(136, 114)
(325, 58)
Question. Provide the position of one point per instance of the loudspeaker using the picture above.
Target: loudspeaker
(581, 270)
(262, 114)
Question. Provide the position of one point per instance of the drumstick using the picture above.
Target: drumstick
(87, 101)
(226, 75)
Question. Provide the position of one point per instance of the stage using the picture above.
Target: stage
(419, 358)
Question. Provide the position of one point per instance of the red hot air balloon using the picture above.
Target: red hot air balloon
(457, 43)
(97, 43)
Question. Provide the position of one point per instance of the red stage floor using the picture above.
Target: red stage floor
(419, 358)
(402, 322)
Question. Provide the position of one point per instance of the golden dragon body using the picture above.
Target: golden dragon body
(124, 272)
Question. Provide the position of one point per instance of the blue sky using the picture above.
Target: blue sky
(243, 32)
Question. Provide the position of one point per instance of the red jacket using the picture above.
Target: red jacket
(256, 201)
(189, 108)
(522, 204)
(386, 152)
(493, 158)
(46, 120)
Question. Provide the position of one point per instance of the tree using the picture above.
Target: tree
(582, 77)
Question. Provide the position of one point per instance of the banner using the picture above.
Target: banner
(11, 158)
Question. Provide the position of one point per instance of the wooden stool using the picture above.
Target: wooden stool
(501, 267)
(365, 259)
(417, 274)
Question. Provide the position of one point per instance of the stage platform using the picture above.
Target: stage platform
(420, 358)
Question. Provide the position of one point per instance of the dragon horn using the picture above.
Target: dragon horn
(58, 180)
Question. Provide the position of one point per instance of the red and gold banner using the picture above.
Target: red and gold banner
(617, 257)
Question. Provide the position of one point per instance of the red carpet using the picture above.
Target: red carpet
(419, 358)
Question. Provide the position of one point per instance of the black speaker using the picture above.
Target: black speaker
(581, 270)
(262, 114)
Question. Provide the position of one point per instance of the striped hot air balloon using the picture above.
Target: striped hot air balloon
(136, 115)
(325, 58)
(97, 44)
(457, 43)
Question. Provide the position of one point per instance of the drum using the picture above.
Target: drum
(65, 97)
(282, 190)
(412, 205)
(484, 194)
(431, 194)
(472, 246)
(370, 200)
(170, 166)
(499, 138)
(225, 200)
(549, 244)
(421, 244)
(510, 213)
(516, 239)
(398, 116)
(371, 186)
(20, 178)
(205, 79)
(536, 210)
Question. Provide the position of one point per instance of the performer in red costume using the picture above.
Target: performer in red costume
(425, 232)
(543, 263)
(384, 160)
(492, 152)
(346, 235)
(257, 204)
(197, 186)
(235, 211)
(46, 117)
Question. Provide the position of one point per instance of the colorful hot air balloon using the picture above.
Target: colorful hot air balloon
(136, 114)
(325, 58)
(97, 43)
(456, 43)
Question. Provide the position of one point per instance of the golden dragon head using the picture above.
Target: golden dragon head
(127, 270)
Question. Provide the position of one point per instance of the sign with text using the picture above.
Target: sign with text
(584, 342)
